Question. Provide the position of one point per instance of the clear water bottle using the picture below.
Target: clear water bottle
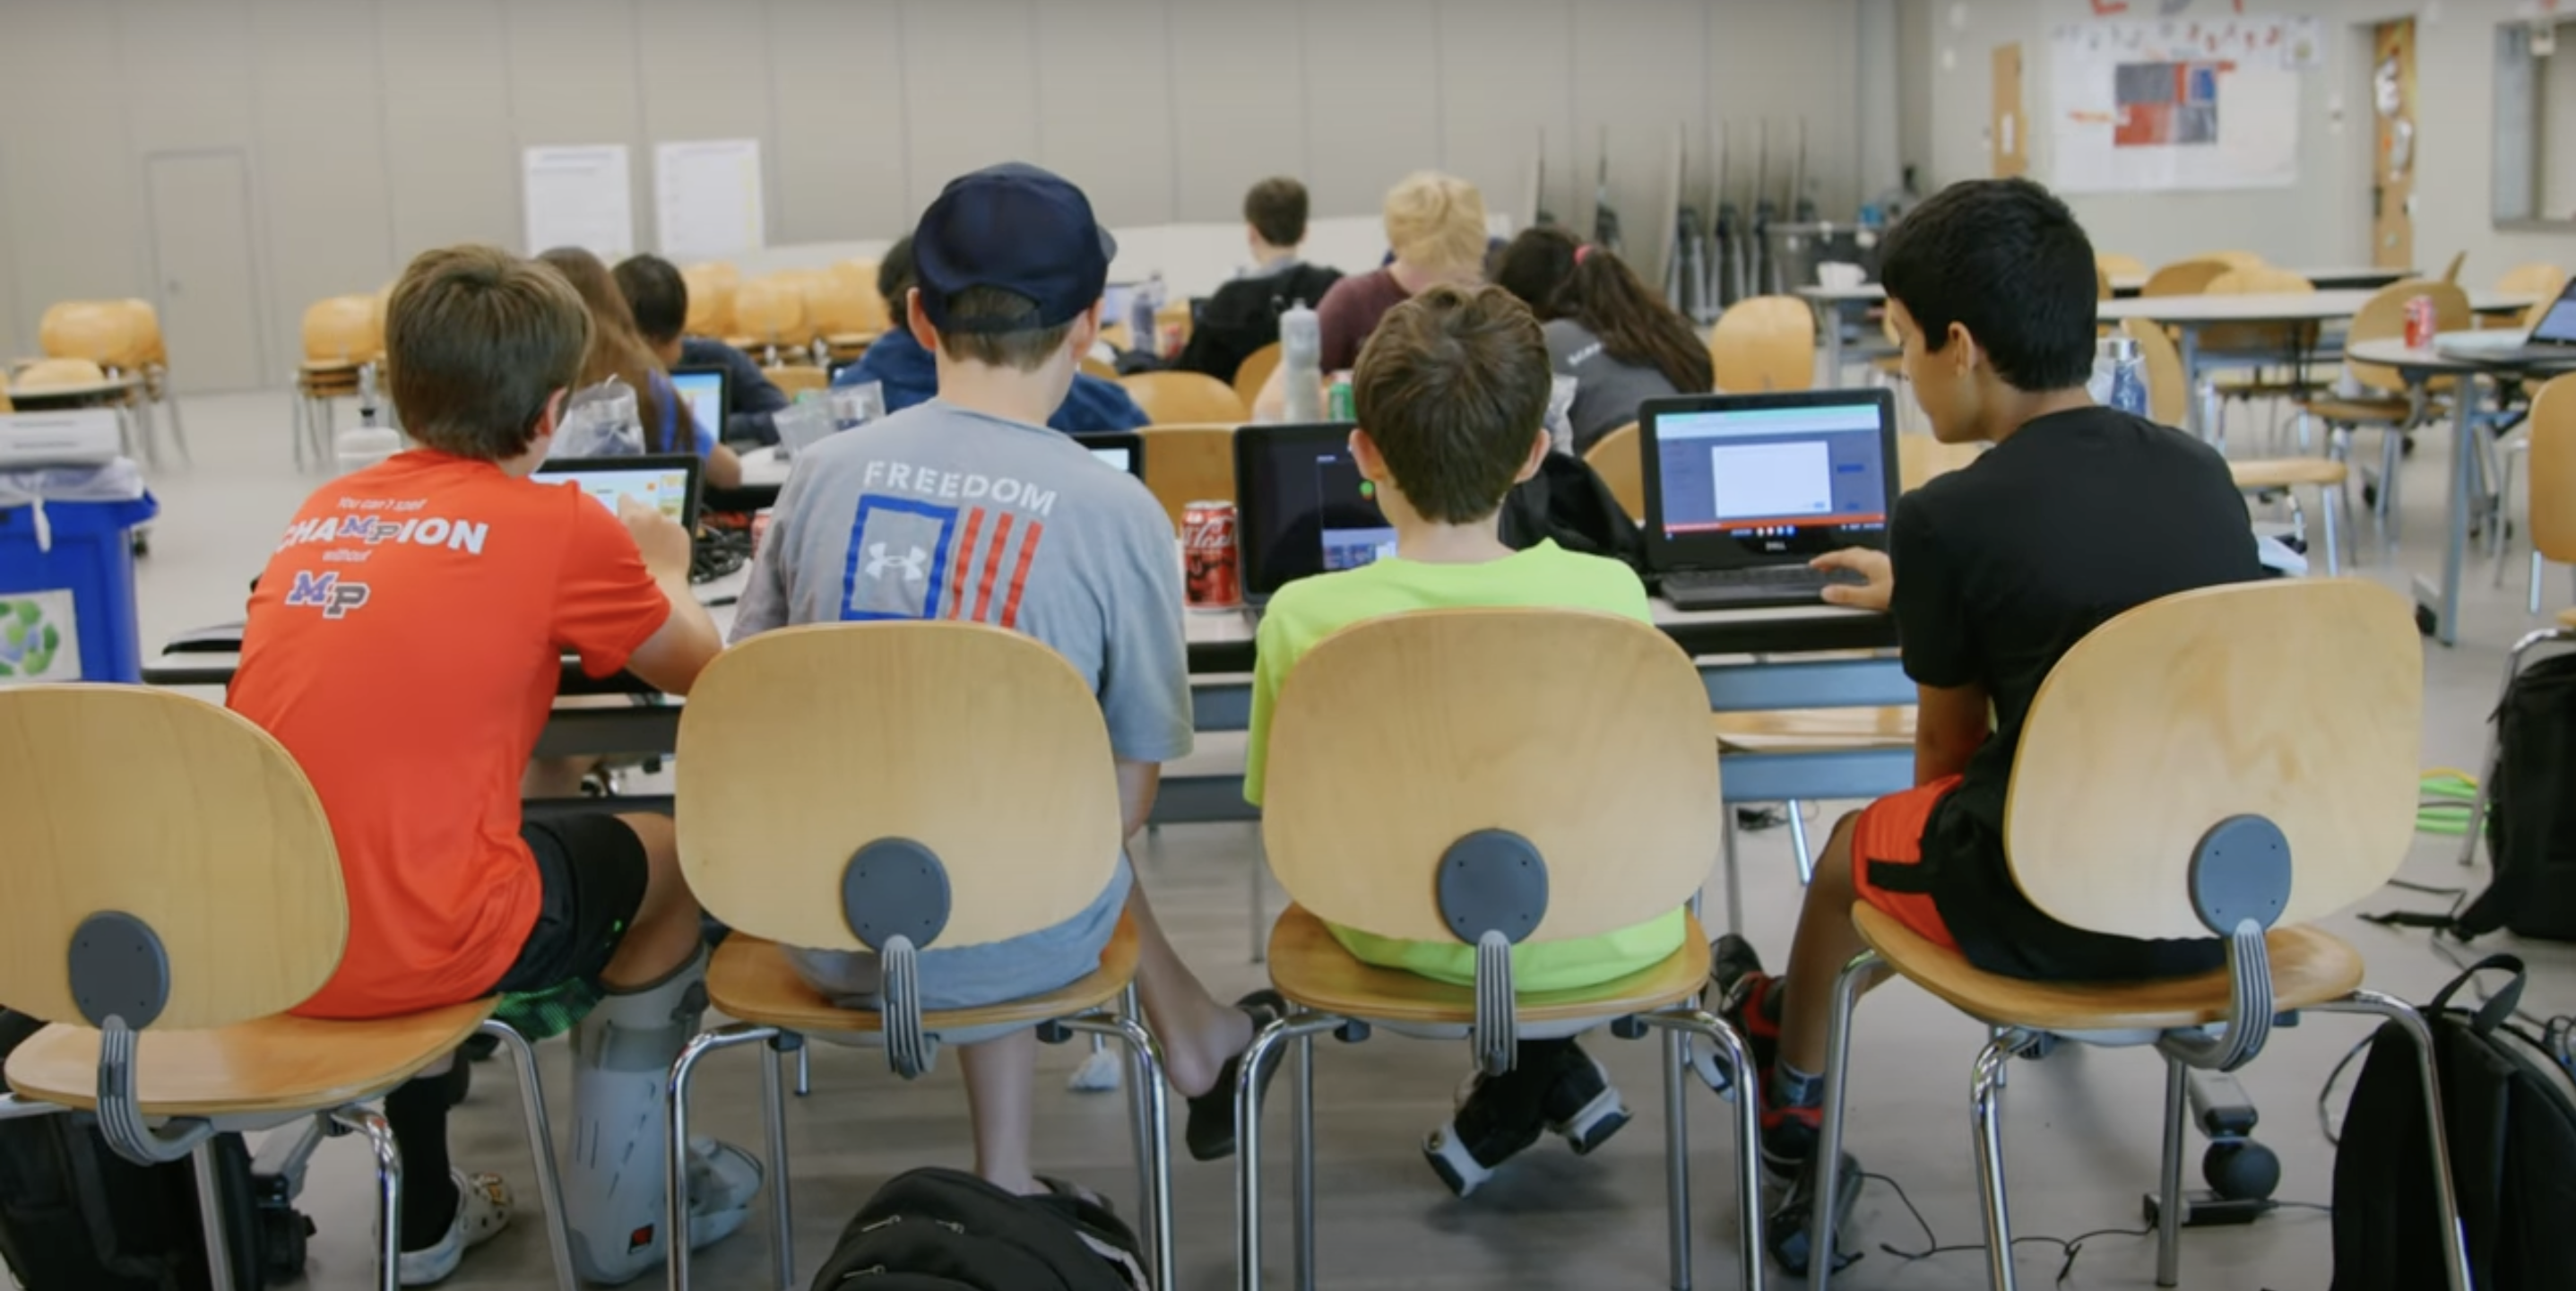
(1301, 360)
(1141, 305)
(2119, 376)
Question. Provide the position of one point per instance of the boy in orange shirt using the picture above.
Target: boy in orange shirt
(404, 644)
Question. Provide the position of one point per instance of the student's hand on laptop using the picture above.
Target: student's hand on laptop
(1871, 565)
(662, 542)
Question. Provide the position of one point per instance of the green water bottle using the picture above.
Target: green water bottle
(1343, 406)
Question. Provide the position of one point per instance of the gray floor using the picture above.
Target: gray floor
(2081, 1126)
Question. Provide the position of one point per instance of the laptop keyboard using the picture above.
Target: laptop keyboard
(1702, 589)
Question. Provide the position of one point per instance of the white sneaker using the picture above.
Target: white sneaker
(723, 1180)
(482, 1211)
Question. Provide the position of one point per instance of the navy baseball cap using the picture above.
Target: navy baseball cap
(1018, 228)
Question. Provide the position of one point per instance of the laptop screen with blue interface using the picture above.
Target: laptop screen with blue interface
(704, 389)
(1743, 478)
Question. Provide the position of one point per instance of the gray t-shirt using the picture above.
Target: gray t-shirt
(1607, 391)
(940, 513)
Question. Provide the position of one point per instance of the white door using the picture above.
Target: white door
(203, 280)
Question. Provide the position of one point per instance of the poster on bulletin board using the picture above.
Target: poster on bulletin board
(706, 198)
(578, 197)
(2178, 103)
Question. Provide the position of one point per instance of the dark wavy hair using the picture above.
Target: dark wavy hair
(1557, 276)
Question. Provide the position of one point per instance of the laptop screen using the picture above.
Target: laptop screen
(668, 483)
(1758, 479)
(1118, 449)
(704, 389)
(2558, 325)
(1301, 506)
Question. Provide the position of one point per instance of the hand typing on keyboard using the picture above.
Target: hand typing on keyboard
(1876, 578)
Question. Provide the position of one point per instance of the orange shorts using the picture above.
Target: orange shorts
(1887, 851)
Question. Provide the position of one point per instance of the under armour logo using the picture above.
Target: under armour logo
(915, 566)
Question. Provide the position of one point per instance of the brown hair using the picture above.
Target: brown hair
(617, 348)
(477, 341)
(1022, 349)
(1453, 388)
(1276, 209)
(1560, 277)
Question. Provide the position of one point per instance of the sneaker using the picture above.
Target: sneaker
(482, 1211)
(1498, 1117)
(1740, 992)
(1786, 1232)
(1582, 1106)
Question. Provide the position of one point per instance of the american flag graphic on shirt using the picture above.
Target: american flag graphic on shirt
(919, 560)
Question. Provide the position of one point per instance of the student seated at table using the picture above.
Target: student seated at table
(618, 350)
(1451, 393)
(1011, 265)
(903, 366)
(1620, 342)
(1243, 315)
(659, 297)
(2076, 514)
(403, 644)
(1435, 225)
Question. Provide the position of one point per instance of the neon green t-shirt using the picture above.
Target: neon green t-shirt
(1310, 609)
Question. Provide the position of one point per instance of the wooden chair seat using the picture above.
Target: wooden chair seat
(1313, 970)
(751, 980)
(2282, 472)
(2308, 967)
(280, 1064)
(1814, 730)
(2359, 411)
(2567, 619)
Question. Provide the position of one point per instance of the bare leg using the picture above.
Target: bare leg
(555, 777)
(1001, 1088)
(1825, 942)
(666, 929)
(1199, 1032)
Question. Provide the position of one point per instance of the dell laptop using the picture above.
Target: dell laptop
(1742, 491)
(1302, 507)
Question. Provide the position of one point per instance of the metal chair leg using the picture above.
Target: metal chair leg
(541, 1149)
(675, 1148)
(2329, 501)
(2533, 587)
(2169, 1182)
(380, 1136)
(1848, 985)
(1302, 1163)
(1247, 1137)
(1154, 1163)
(1986, 1102)
(211, 1219)
(1260, 910)
(1140, 1118)
(1734, 876)
(1678, 1024)
(1798, 841)
(2455, 1246)
(804, 1071)
(782, 1209)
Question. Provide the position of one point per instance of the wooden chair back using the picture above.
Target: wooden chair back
(2552, 499)
(2168, 396)
(1190, 463)
(105, 332)
(2301, 700)
(771, 311)
(1180, 397)
(44, 376)
(2185, 277)
(2260, 280)
(343, 331)
(840, 302)
(711, 287)
(147, 325)
(1255, 373)
(2115, 264)
(2233, 259)
(2542, 280)
(800, 746)
(1619, 458)
(797, 379)
(1097, 367)
(2451, 272)
(2102, 283)
(1765, 343)
(2383, 318)
(1920, 459)
(1387, 746)
(181, 814)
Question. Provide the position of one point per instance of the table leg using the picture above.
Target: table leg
(2455, 536)
(1831, 314)
(2194, 419)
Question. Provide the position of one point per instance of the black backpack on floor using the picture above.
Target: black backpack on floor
(945, 1230)
(2531, 818)
(2510, 1111)
(75, 1216)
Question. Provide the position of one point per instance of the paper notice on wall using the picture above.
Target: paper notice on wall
(579, 197)
(2178, 104)
(39, 637)
(707, 198)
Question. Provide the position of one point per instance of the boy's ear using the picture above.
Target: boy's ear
(1086, 331)
(1962, 349)
(917, 322)
(1364, 452)
(1539, 444)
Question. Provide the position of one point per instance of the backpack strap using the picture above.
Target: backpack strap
(2498, 1007)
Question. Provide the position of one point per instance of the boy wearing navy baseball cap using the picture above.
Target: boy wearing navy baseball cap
(969, 508)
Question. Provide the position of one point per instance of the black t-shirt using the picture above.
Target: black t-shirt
(2003, 566)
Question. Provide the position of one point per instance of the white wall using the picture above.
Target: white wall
(2326, 218)
(373, 129)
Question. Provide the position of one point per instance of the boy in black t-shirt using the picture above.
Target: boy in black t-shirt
(2078, 513)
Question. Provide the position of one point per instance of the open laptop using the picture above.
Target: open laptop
(1301, 507)
(668, 481)
(1743, 490)
(708, 390)
(2551, 341)
(1123, 449)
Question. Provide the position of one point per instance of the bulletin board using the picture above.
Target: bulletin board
(2179, 103)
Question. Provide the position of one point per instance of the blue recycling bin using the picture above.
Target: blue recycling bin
(67, 592)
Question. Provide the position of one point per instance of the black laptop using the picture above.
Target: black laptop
(1122, 449)
(1742, 491)
(669, 482)
(1302, 507)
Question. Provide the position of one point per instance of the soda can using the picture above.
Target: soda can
(759, 528)
(1210, 579)
(1169, 342)
(2419, 323)
(1343, 407)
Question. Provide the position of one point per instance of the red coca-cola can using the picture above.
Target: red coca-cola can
(1211, 581)
(759, 529)
(2419, 323)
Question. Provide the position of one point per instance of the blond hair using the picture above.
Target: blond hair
(1436, 222)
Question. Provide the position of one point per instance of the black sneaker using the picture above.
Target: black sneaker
(1787, 1228)
(1582, 1106)
(1554, 1086)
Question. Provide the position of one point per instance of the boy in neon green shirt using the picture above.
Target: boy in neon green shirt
(1451, 391)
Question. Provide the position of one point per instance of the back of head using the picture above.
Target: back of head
(1633, 324)
(477, 341)
(1453, 388)
(1007, 260)
(2006, 260)
(1436, 223)
(657, 296)
(1276, 209)
(1535, 267)
(895, 276)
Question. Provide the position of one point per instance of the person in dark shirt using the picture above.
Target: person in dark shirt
(2077, 514)
(659, 297)
(1243, 315)
(907, 374)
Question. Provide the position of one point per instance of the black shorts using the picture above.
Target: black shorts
(592, 871)
(2000, 931)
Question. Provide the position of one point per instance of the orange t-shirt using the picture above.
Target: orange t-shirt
(404, 645)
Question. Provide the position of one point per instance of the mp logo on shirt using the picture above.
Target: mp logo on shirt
(329, 593)
(918, 560)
